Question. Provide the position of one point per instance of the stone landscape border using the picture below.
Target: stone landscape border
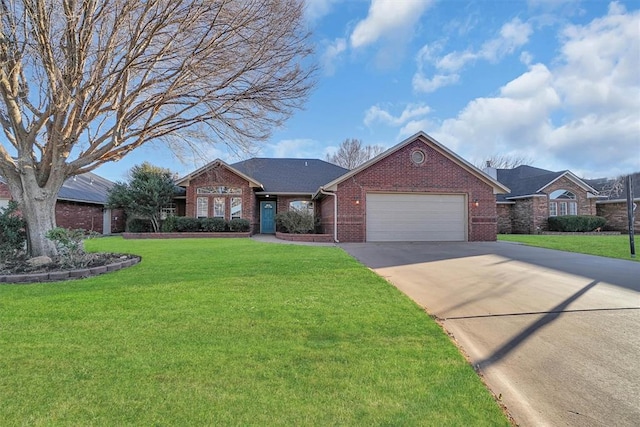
(57, 276)
(291, 237)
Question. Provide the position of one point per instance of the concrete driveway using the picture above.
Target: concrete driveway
(555, 335)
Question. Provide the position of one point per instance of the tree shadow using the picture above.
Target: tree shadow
(545, 320)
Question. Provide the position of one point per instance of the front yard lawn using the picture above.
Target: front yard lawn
(230, 332)
(611, 246)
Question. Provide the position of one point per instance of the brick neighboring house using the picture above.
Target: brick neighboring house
(612, 203)
(417, 190)
(81, 203)
(536, 194)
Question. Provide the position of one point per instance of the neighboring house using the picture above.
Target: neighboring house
(82, 203)
(536, 194)
(416, 191)
(612, 203)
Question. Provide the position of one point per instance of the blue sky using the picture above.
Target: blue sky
(557, 81)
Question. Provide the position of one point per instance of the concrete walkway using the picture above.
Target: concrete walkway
(556, 335)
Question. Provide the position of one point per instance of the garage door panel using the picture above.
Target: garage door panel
(416, 217)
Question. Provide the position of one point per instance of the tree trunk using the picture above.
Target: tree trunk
(38, 208)
(40, 215)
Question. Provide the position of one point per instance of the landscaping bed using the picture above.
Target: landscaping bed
(186, 235)
(291, 237)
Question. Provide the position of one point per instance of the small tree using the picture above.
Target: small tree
(149, 190)
(352, 153)
(13, 237)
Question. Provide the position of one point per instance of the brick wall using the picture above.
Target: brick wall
(79, 215)
(4, 191)
(585, 205)
(397, 173)
(617, 218)
(505, 218)
(221, 176)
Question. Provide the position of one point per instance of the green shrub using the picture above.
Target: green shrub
(139, 225)
(187, 224)
(170, 224)
(575, 223)
(70, 245)
(295, 222)
(13, 235)
(213, 224)
(239, 225)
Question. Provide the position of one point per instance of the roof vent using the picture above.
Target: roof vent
(305, 163)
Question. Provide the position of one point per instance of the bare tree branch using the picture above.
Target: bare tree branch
(352, 153)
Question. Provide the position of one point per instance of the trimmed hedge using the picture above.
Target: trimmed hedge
(239, 225)
(575, 223)
(183, 224)
(139, 225)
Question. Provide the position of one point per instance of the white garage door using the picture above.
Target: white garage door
(415, 217)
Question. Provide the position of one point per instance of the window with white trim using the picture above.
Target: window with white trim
(167, 211)
(4, 203)
(236, 207)
(218, 207)
(562, 202)
(202, 207)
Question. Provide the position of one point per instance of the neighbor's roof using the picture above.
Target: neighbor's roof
(528, 181)
(428, 140)
(293, 176)
(85, 188)
(615, 190)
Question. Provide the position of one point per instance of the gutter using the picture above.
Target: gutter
(335, 213)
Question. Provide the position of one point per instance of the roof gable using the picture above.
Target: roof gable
(184, 181)
(292, 176)
(427, 140)
(528, 181)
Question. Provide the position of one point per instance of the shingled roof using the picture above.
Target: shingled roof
(293, 176)
(85, 188)
(527, 181)
(615, 190)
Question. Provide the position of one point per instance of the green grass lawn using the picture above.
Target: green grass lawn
(230, 332)
(611, 246)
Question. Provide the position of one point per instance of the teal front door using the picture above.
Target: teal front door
(267, 217)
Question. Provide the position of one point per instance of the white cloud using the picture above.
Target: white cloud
(385, 18)
(582, 114)
(332, 54)
(513, 35)
(376, 114)
(316, 9)
(295, 148)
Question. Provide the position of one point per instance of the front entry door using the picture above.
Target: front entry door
(267, 217)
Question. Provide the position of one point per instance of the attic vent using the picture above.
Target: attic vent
(305, 163)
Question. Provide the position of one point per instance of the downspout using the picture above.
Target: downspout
(335, 213)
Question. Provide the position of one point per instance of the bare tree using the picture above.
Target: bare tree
(352, 153)
(86, 82)
(500, 161)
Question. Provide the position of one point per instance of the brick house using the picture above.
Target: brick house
(612, 203)
(82, 203)
(417, 190)
(537, 194)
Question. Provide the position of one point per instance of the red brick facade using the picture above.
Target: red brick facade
(4, 191)
(529, 215)
(439, 174)
(221, 176)
(617, 216)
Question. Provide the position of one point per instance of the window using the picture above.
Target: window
(418, 157)
(218, 207)
(236, 207)
(169, 210)
(562, 203)
(4, 203)
(202, 207)
(301, 206)
(220, 189)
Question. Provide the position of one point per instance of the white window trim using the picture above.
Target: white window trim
(237, 211)
(216, 205)
(202, 207)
